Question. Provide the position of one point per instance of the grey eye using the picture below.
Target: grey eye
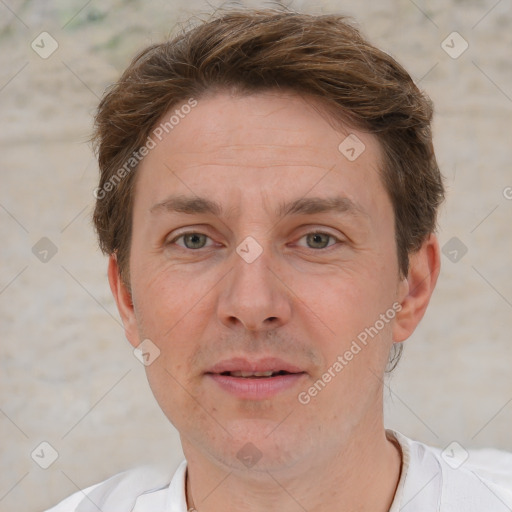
(193, 240)
(318, 240)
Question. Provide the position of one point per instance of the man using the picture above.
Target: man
(268, 199)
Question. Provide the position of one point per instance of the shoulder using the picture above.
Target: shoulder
(482, 478)
(456, 479)
(123, 491)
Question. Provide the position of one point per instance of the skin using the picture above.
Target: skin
(304, 299)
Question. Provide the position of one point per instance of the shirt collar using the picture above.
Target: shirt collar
(176, 497)
(421, 479)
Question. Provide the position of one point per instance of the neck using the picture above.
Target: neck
(363, 476)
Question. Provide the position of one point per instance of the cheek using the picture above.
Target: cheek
(174, 393)
(173, 317)
(349, 307)
(346, 301)
(168, 299)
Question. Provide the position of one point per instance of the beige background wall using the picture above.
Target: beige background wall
(68, 377)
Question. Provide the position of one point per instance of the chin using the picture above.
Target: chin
(262, 445)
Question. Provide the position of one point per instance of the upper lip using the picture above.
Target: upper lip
(266, 364)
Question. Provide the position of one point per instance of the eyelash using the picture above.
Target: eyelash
(336, 239)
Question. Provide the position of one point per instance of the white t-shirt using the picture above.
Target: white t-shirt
(430, 481)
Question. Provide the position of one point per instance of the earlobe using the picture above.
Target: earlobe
(416, 290)
(123, 300)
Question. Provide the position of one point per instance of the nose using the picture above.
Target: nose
(254, 296)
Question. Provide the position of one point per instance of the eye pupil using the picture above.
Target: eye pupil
(194, 240)
(318, 240)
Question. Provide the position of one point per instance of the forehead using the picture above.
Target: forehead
(261, 145)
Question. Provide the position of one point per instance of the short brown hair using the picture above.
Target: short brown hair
(246, 51)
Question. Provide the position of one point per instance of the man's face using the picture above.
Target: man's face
(297, 262)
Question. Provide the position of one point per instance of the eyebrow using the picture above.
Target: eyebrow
(302, 206)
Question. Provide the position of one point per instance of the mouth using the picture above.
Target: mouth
(256, 380)
(256, 375)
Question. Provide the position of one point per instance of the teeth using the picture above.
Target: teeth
(251, 374)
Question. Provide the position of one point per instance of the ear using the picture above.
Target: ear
(123, 300)
(416, 290)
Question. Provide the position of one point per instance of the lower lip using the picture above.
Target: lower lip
(256, 388)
